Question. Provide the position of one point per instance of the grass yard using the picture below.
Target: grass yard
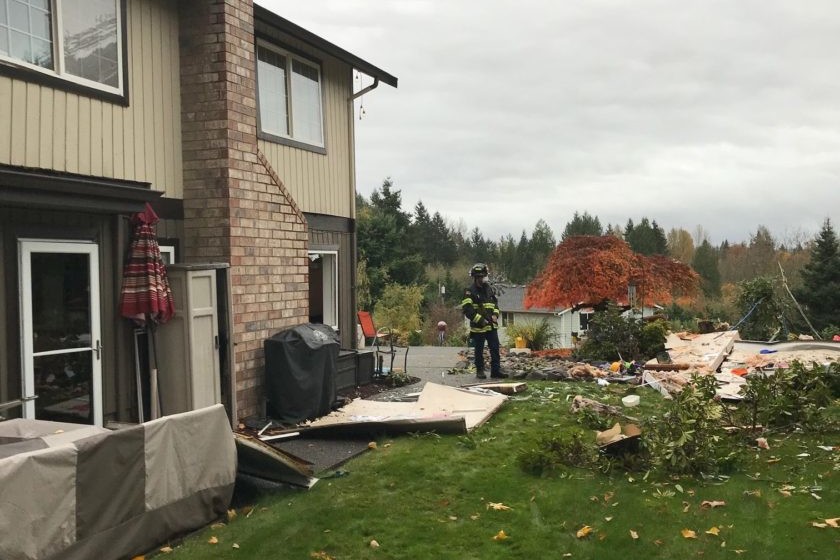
(428, 496)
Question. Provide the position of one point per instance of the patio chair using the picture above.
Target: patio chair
(382, 340)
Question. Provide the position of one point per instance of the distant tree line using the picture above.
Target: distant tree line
(431, 254)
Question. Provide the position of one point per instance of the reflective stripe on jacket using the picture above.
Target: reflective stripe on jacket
(480, 303)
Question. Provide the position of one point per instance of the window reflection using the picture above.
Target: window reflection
(90, 40)
(60, 301)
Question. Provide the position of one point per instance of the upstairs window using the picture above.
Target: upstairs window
(76, 40)
(289, 89)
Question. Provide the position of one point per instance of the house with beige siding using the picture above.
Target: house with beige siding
(235, 124)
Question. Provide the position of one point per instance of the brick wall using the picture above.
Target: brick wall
(236, 209)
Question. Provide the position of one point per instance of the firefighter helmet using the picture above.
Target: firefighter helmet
(478, 269)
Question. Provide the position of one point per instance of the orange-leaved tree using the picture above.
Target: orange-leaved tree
(591, 269)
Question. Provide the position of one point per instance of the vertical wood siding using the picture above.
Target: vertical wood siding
(45, 128)
(319, 183)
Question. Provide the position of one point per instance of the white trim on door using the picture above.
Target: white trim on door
(26, 248)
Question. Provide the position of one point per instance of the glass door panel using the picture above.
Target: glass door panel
(60, 327)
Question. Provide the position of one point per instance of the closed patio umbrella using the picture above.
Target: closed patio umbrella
(145, 296)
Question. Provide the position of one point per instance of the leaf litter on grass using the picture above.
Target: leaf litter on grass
(401, 486)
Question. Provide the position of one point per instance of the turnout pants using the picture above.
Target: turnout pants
(492, 340)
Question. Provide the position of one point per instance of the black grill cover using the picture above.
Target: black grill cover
(300, 371)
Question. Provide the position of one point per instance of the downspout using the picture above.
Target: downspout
(352, 143)
(361, 92)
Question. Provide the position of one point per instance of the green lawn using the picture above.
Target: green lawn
(429, 496)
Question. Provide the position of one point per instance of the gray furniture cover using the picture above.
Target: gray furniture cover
(72, 491)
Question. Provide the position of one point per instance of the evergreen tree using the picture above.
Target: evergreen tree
(820, 292)
(443, 239)
(540, 248)
(582, 225)
(383, 231)
(523, 259)
(646, 238)
(705, 263)
(761, 254)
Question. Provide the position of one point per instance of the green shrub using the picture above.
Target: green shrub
(611, 337)
(689, 438)
(652, 338)
(538, 335)
(792, 397)
(553, 451)
(399, 308)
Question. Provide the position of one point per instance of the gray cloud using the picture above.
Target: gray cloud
(718, 113)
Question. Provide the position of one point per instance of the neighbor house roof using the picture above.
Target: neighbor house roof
(512, 298)
(323, 45)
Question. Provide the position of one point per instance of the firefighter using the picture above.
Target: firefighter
(481, 308)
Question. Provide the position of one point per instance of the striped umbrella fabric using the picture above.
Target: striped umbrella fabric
(145, 295)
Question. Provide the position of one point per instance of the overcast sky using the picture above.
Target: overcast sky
(718, 113)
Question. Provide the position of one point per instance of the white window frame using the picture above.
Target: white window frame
(329, 260)
(58, 71)
(169, 251)
(289, 56)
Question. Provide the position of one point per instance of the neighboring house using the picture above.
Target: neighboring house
(569, 323)
(235, 124)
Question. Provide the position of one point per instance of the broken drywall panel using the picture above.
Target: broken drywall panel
(438, 407)
(702, 352)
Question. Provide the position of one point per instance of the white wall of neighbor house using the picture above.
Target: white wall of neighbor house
(564, 324)
(48, 128)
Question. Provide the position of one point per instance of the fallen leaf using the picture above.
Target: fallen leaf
(833, 522)
(593, 498)
(784, 493)
(713, 531)
(583, 531)
(773, 460)
(602, 536)
(497, 506)
(372, 445)
(688, 534)
(712, 504)
(739, 551)
(320, 555)
(633, 534)
(818, 525)
(474, 516)
(754, 493)
(500, 536)
(658, 542)
(567, 555)
(231, 515)
(678, 488)
(686, 507)
(374, 544)
(213, 540)
(608, 496)
(235, 545)
(608, 519)
(217, 525)
(453, 518)
(165, 549)
(762, 443)
(815, 496)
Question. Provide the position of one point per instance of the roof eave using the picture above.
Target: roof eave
(322, 44)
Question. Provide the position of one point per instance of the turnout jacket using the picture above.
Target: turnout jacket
(480, 306)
